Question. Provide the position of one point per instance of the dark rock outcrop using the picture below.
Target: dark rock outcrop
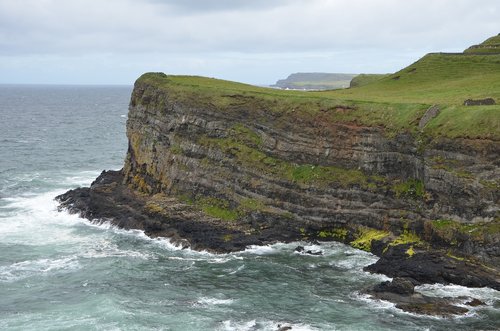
(480, 102)
(401, 286)
(429, 266)
(302, 250)
(432, 112)
(108, 199)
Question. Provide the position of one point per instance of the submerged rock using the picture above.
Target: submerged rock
(475, 302)
(301, 249)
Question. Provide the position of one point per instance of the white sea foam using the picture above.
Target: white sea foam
(278, 248)
(105, 248)
(34, 220)
(261, 250)
(186, 254)
(486, 294)
(372, 302)
(205, 301)
(40, 267)
(386, 305)
(83, 178)
(238, 269)
(355, 262)
(254, 325)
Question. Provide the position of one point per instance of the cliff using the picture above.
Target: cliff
(315, 81)
(219, 166)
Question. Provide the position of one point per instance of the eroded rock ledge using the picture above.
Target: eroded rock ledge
(220, 170)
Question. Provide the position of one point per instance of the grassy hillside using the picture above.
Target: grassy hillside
(436, 78)
(365, 79)
(447, 80)
(395, 102)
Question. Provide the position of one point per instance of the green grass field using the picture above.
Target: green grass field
(395, 102)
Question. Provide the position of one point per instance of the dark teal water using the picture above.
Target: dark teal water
(59, 272)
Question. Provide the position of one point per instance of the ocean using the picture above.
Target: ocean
(60, 272)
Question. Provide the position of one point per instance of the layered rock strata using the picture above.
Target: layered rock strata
(225, 171)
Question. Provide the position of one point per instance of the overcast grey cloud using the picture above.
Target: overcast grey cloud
(255, 41)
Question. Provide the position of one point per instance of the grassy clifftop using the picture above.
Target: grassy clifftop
(395, 102)
(489, 46)
(365, 79)
(436, 78)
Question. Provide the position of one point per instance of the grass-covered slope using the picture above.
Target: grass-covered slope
(365, 79)
(395, 102)
(436, 78)
(489, 46)
(446, 80)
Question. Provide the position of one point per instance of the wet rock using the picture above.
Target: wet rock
(301, 249)
(108, 199)
(397, 285)
(400, 291)
(432, 307)
(433, 266)
(475, 302)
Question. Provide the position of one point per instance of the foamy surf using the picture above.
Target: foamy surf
(34, 220)
(264, 325)
(205, 301)
(40, 267)
(455, 291)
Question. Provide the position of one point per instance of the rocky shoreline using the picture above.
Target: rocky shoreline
(109, 200)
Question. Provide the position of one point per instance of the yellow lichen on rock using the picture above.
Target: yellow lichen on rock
(366, 236)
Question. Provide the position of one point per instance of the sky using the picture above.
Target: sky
(251, 41)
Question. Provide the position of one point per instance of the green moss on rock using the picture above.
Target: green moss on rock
(449, 229)
(339, 234)
(249, 205)
(411, 188)
(217, 208)
(304, 174)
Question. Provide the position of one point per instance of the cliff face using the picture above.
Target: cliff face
(327, 179)
(223, 169)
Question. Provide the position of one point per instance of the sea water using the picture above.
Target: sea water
(60, 272)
